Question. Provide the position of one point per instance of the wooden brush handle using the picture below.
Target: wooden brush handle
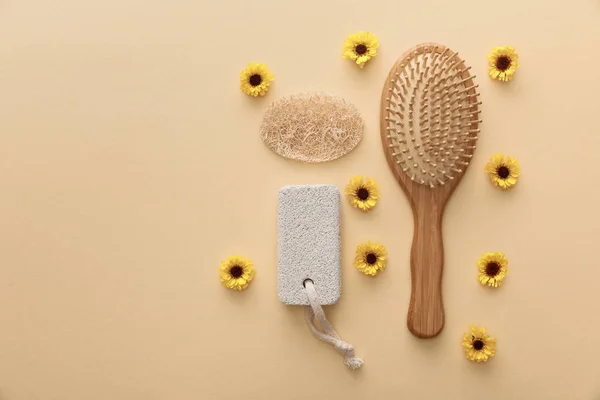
(426, 310)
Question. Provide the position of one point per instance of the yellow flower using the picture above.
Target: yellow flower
(503, 170)
(360, 47)
(363, 194)
(504, 61)
(370, 258)
(493, 268)
(255, 79)
(236, 272)
(478, 345)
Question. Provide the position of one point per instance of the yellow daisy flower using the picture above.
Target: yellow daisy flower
(370, 258)
(255, 79)
(360, 47)
(363, 194)
(504, 61)
(236, 272)
(503, 170)
(478, 345)
(493, 268)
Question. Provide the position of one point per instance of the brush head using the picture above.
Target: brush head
(430, 116)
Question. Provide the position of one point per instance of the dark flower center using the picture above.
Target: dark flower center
(478, 344)
(503, 63)
(255, 80)
(362, 194)
(371, 258)
(361, 49)
(503, 172)
(236, 271)
(492, 269)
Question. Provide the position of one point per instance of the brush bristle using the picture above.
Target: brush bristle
(432, 115)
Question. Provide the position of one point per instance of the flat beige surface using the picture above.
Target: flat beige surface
(131, 165)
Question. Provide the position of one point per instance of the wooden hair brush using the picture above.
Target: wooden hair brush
(429, 126)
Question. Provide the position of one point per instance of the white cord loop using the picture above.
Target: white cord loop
(330, 335)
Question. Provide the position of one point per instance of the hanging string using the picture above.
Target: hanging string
(329, 335)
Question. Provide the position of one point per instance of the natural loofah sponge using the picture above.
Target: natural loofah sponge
(312, 127)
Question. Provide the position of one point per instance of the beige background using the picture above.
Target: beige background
(131, 165)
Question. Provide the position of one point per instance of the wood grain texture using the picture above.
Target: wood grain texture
(426, 310)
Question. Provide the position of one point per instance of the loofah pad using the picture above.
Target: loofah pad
(312, 127)
(308, 243)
